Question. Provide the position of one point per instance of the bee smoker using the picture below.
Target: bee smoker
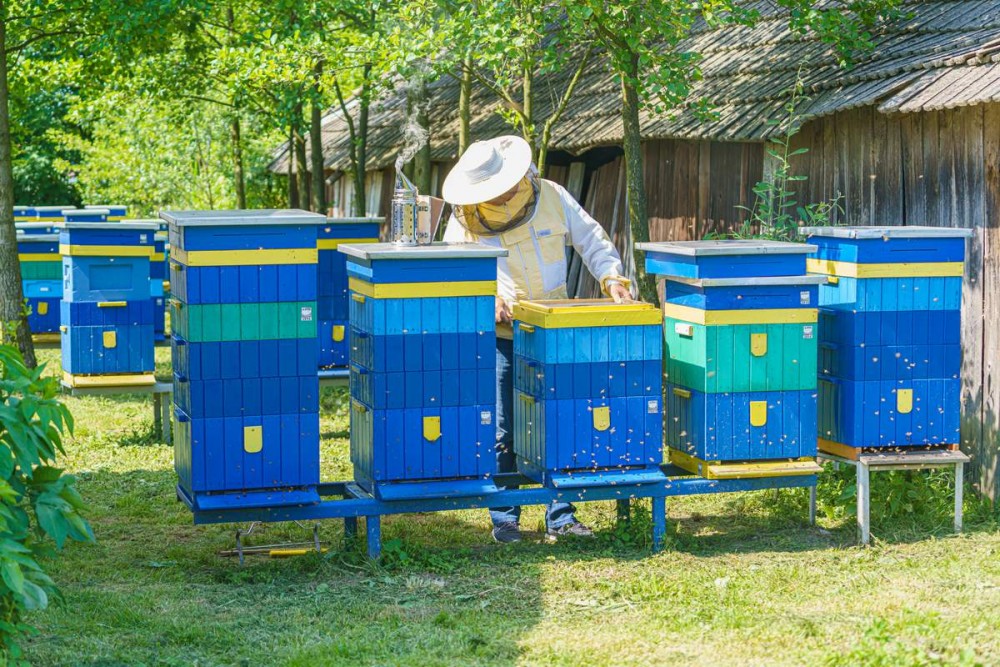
(410, 216)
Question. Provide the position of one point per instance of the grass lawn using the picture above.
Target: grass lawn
(744, 580)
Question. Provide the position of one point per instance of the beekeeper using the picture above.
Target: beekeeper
(498, 199)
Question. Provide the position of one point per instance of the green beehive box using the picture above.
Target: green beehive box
(740, 357)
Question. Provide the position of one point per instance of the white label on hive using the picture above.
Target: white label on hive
(306, 314)
(807, 333)
(804, 298)
(652, 407)
(142, 238)
(683, 329)
(486, 417)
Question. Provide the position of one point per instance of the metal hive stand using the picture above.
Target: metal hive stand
(347, 501)
(912, 459)
(162, 425)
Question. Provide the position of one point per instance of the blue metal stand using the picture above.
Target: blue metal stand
(347, 501)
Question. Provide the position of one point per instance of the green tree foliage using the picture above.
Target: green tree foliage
(39, 505)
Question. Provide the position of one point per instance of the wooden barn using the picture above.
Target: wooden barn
(909, 135)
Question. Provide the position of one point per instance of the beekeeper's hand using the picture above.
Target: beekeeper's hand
(503, 314)
(619, 292)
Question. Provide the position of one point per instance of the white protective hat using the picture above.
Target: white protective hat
(486, 170)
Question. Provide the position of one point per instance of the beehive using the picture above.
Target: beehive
(739, 321)
(333, 311)
(23, 213)
(890, 330)
(48, 213)
(86, 215)
(243, 324)
(115, 212)
(157, 283)
(29, 228)
(107, 324)
(423, 368)
(41, 279)
(588, 391)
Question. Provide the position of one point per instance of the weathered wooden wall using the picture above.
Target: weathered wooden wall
(931, 168)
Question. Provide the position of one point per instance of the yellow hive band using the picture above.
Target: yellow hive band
(720, 470)
(333, 244)
(900, 270)
(159, 257)
(761, 316)
(39, 257)
(105, 251)
(563, 314)
(245, 257)
(419, 290)
(136, 380)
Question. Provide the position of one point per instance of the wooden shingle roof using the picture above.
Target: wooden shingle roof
(939, 55)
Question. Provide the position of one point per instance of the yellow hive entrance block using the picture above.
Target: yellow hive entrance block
(110, 339)
(43, 308)
(758, 413)
(904, 401)
(602, 418)
(253, 439)
(338, 332)
(758, 344)
(432, 428)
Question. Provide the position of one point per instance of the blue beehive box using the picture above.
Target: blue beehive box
(245, 353)
(423, 368)
(86, 215)
(41, 273)
(106, 325)
(48, 213)
(115, 212)
(739, 322)
(332, 299)
(588, 392)
(890, 335)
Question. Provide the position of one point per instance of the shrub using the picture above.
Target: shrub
(39, 505)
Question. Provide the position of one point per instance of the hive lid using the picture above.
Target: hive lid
(354, 221)
(117, 226)
(21, 226)
(289, 216)
(750, 282)
(897, 232)
(37, 238)
(727, 247)
(440, 250)
(104, 206)
(86, 211)
(563, 313)
(51, 209)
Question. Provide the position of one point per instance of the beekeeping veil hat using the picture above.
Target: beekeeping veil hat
(487, 170)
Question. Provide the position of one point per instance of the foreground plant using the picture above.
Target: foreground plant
(39, 505)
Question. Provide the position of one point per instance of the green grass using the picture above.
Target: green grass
(743, 580)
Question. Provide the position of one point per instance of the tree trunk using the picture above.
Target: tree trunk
(528, 104)
(422, 160)
(305, 196)
(13, 316)
(465, 106)
(316, 144)
(239, 180)
(635, 183)
(360, 203)
(293, 179)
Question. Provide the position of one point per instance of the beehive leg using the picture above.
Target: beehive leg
(864, 503)
(659, 522)
(350, 527)
(812, 505)
(622, 507)
(373, 532)
(959, 483)
(157, 418)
